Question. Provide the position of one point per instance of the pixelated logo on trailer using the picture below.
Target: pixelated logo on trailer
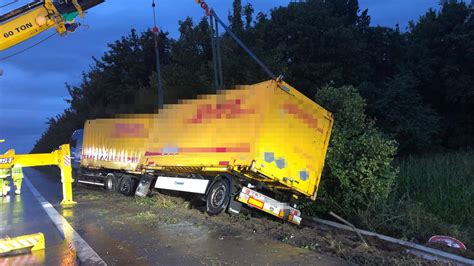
(237, 148)
(136, 130)
(230, 109)
(302, 115)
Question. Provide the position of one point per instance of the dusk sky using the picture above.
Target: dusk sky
(32, 87)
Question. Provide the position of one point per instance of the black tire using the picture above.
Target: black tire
(110, 183)
(127, 186)
(218, 197)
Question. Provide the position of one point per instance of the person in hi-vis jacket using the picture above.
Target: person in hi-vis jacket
(4, 181)
(17, 176)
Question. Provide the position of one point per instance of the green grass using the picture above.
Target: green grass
(432, 195)
(157, 201)
(443, 184)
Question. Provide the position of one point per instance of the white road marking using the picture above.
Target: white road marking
(84, 252)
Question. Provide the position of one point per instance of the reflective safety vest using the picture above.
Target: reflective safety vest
(17, 173)
(4, 173)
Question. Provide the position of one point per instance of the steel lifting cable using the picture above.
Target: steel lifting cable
(157, 51)
(11, 3)
(211, 12)
(28, 48)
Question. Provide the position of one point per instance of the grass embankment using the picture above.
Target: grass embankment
(443, 183)
(433, 194)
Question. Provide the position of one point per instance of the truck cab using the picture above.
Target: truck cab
(76, 148)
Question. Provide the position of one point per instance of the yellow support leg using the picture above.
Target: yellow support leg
(64, 154)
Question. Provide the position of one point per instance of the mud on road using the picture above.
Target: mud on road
(178, 227)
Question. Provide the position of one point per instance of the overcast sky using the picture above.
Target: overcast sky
(32, 86)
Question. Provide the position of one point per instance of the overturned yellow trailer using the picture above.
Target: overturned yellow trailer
(262, 145)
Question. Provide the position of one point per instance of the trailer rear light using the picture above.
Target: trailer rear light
(295, 213)
(255, 203)
(281, 214)
(245, 190)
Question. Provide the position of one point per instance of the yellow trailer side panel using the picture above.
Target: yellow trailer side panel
(115, 143)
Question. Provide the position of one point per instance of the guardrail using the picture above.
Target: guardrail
(421, 251)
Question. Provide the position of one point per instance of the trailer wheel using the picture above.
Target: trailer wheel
(110, 183)
(127, 186)
(218, 197)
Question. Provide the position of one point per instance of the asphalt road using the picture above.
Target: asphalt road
(23, 215)
(118, 241)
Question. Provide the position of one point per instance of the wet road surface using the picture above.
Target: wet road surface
(113, 230)
(23, 215)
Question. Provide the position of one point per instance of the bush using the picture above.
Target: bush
(359, 166)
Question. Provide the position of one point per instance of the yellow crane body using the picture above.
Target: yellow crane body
(29, 20)
(24, 27)
(60, 158)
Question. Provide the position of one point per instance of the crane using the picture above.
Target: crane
(38, 16)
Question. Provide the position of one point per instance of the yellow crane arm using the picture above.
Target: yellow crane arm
(29, 20)
(60, 158)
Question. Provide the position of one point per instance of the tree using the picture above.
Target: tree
(320, 42)
(401, 113)
(248, 12)
(442, 59)
(236, 23)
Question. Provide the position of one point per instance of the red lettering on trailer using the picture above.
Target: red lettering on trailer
(129, 131)
(230, 109)
(307, 118)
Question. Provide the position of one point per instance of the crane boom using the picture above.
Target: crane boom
(33, 18)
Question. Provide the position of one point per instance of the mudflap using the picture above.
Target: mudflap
(234, 206)
(144, 186)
